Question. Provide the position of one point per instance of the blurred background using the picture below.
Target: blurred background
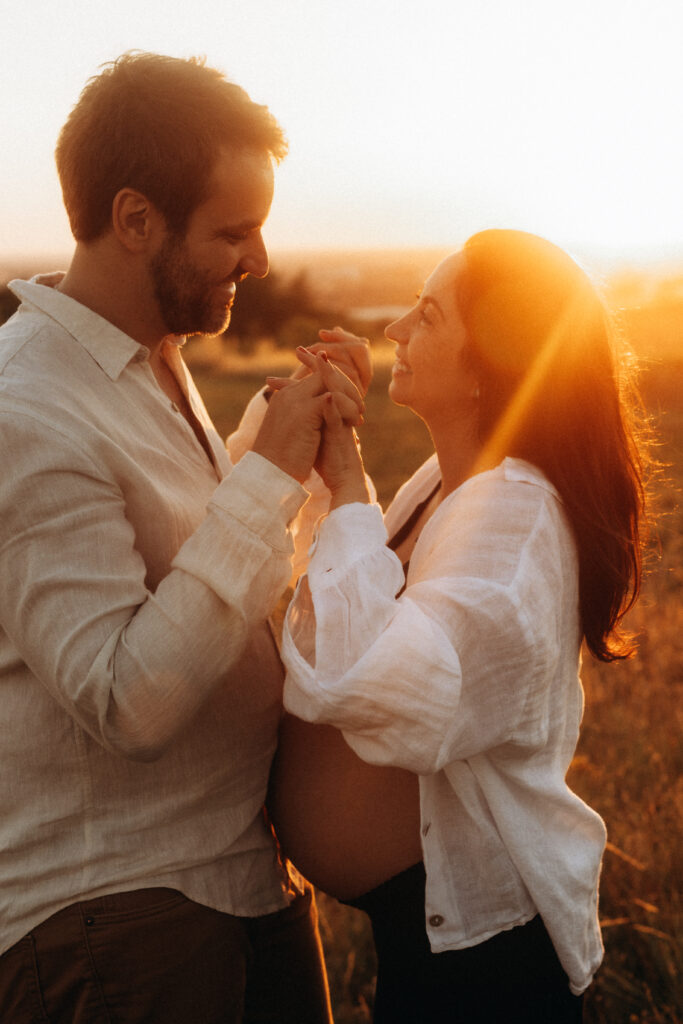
(409, 124)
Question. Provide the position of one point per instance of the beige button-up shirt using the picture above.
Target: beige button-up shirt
(471, 680)
(139, 683)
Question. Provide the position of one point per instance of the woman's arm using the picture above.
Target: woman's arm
(459, 663)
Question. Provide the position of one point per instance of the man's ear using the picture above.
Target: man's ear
(135, 220)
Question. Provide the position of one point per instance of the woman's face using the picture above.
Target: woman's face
(430, 375)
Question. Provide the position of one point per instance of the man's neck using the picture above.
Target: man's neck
(117, 290)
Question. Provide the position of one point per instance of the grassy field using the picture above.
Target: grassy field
(629, 765)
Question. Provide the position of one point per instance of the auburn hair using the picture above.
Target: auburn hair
(553, 390)
(155, 124)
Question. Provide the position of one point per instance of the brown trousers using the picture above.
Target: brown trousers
(154, 957)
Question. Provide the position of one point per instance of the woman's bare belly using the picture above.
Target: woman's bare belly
(346, 825)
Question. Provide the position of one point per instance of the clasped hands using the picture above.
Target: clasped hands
(311, 416)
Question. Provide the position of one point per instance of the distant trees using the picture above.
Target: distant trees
(277, 307)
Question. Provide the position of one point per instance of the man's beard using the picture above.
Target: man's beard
(183, 292)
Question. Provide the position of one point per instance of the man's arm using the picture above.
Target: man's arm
(131, 666)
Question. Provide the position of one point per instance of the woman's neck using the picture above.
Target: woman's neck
(457, 450)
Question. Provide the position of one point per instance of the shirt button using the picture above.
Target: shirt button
(436, 920)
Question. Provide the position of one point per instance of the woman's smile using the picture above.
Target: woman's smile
(400, 367)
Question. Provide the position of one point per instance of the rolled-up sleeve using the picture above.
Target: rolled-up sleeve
(454, 666)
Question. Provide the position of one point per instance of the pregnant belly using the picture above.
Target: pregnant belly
(345, 824)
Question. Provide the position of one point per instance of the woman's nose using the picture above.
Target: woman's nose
(396, 330)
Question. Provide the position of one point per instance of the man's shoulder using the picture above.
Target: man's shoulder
(26, 341)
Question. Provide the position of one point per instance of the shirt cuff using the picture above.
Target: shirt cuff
(261, 496)
(349, 533)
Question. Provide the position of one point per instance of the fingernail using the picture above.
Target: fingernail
(324, 355)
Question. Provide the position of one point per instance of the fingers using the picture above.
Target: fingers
(362, 361)
(334, 419)
(348, 352)
(337, 334)
(347, 410)
(331, 414)
(323, 378)
(351, 353)
(307, 357)
(278, 383)
(332, 377)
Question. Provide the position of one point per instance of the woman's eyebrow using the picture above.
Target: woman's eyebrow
(427, 300)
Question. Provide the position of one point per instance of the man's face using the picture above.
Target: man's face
(194, 275)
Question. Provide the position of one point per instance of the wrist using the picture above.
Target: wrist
(348, 494)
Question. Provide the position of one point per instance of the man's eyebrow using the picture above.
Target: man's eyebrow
(241, 228)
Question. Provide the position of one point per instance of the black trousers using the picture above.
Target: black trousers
(513, 978)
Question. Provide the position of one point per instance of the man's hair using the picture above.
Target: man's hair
(155, 124)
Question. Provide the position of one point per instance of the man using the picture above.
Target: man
(140, 683)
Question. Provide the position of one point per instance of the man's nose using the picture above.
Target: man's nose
(255, 257)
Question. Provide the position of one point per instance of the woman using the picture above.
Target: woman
(451, 664)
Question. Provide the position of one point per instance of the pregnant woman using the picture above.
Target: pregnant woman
(433, 681)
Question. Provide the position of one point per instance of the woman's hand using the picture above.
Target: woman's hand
(328, 378)
(347, 352)
(339, 462)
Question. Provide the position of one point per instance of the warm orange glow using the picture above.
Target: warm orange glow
(536, 377)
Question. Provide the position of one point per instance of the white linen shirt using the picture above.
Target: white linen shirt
(140, 687)
(469, 679)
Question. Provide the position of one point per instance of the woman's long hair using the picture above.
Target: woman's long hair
(553, 391)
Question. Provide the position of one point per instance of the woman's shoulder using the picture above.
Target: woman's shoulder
(520, 471)
(512, 489)
(494, 515)
(510, 477)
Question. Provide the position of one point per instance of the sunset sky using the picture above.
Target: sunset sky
(409, 123)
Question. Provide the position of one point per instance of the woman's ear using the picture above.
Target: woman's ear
(135, 220)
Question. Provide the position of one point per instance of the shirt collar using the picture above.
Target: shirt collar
(111, 349)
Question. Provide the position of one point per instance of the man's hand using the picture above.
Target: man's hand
(290, 433)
